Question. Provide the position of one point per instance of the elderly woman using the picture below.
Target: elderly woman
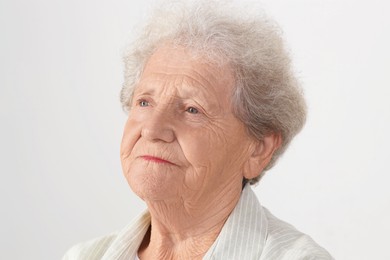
(212, 104)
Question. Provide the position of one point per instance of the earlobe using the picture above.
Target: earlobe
(262, 152)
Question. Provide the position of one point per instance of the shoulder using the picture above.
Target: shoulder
(92, 249)
(119, 245)
(286, 242)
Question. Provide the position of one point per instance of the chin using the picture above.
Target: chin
(155, 185)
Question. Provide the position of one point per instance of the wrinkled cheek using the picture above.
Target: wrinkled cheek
(125, 158)
(206, 154)
(131, 134)
(126, 166)
(205, 149)
(196, 178)
(198, 155)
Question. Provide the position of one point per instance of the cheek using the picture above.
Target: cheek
(205, 151)
(195, 145)
(208, 143)
(214, 150)
(131, 134)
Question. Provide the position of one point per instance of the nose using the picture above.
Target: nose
(158, 127)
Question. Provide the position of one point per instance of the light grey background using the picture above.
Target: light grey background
(61, 125)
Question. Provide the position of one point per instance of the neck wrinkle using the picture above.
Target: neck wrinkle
(180, 232)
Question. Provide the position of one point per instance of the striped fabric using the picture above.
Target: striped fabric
(251, 232)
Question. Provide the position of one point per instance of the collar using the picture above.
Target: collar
(244, 232)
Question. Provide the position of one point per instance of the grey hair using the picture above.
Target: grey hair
(266, 98)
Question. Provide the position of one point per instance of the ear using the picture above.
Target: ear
(261, 155)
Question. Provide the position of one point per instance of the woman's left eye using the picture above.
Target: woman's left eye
(192, 110)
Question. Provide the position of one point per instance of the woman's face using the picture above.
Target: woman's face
(181, 140)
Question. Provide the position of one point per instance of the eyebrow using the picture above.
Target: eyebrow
(185, 86)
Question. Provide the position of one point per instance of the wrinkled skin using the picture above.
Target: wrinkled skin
(185, 153)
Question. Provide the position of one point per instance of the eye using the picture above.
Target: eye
(143, 103)
(192, 110)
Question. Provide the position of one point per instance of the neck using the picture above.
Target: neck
(186, 228)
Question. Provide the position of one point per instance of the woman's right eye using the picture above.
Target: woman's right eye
(143, 103)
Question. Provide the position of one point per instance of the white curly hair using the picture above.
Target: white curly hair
(266, 98)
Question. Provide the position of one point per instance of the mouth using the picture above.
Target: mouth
(155, 159)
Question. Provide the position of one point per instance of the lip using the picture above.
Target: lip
(154, 159)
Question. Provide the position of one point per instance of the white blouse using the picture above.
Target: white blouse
(250, 232)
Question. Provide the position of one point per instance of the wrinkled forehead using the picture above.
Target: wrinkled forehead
(174, 67)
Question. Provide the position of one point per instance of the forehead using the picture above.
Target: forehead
(178, 67)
